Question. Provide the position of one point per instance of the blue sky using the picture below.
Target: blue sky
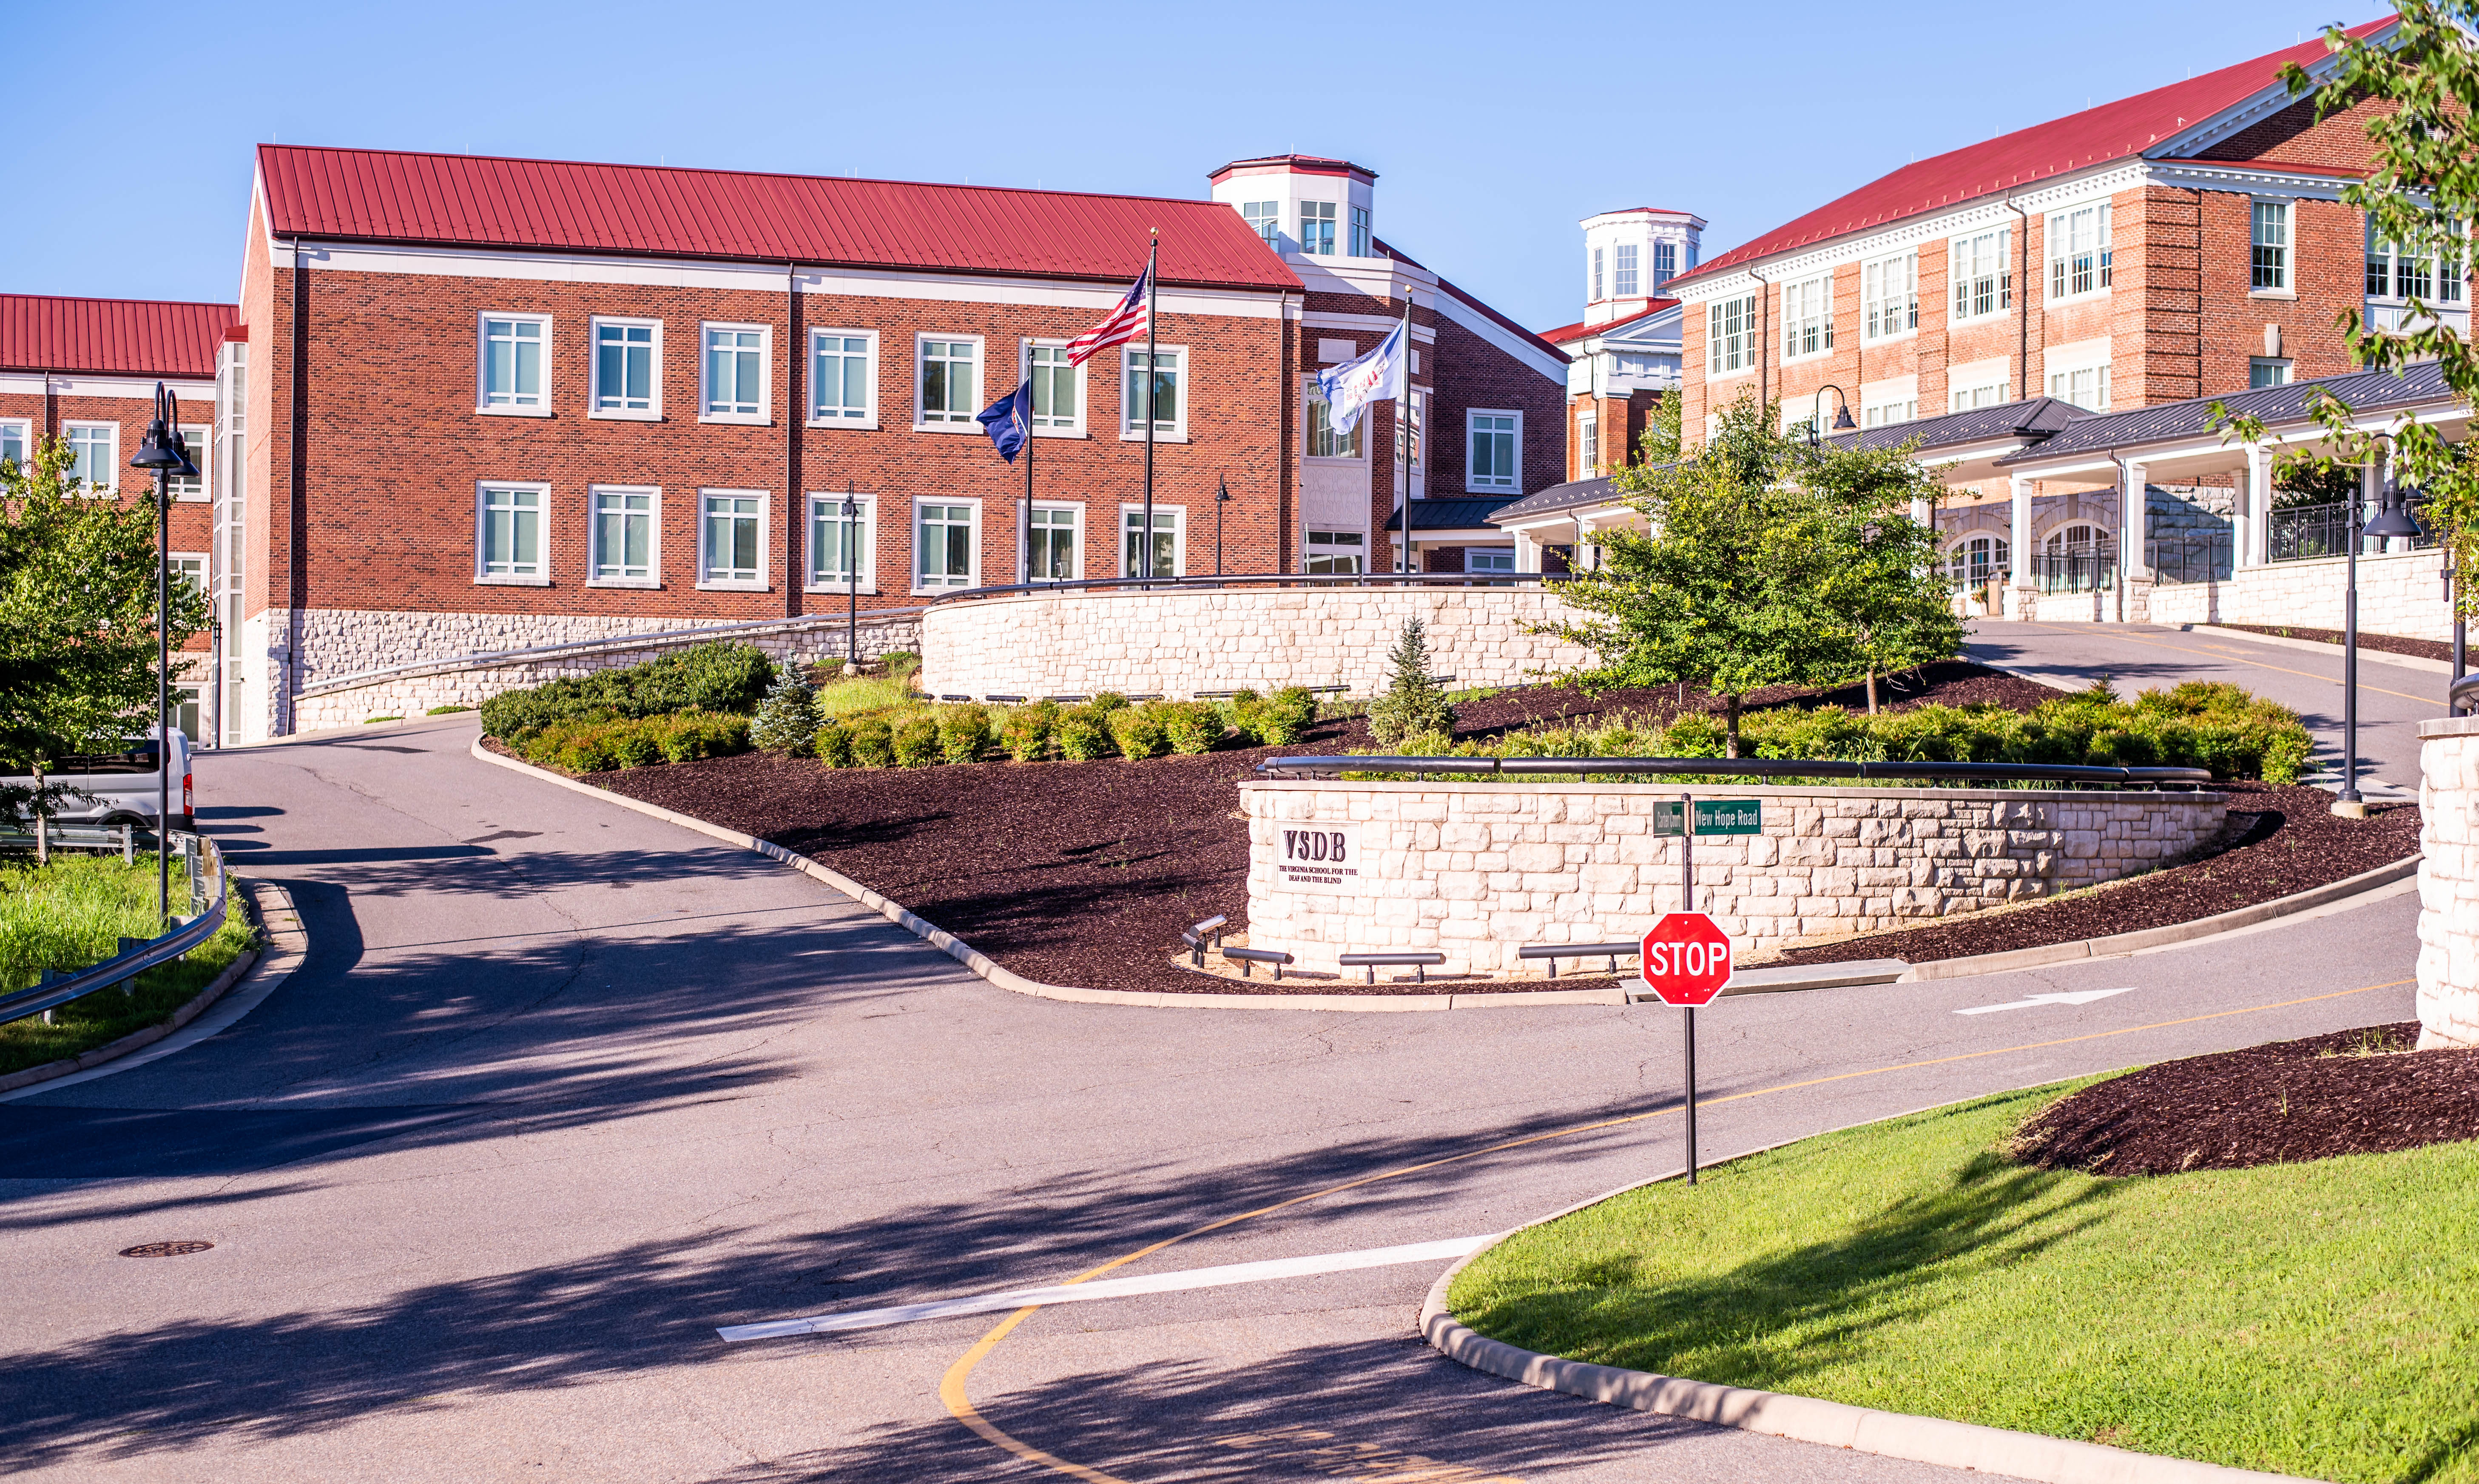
(1493, 128)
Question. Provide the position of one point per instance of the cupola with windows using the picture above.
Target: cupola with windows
(1629, 255)
(1304, 205)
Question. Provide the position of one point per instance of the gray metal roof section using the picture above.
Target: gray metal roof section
(2173, 421)
(1452, 514)
(2033, 420)
(1558, 496)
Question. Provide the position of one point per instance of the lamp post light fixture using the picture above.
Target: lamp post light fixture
(1842, 423)
(1221, 497)
(164, 453)
(852, 583)
(2390, 521)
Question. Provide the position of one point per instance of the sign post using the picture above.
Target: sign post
(1686, 957)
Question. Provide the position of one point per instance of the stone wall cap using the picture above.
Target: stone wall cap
(2449, 726)
(1757, 790)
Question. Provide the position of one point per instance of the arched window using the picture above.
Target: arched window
(1975, 561)
(2074, 538)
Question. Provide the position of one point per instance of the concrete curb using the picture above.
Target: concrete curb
(2121, 943)
(147, 1035)
(2319, 647)
(1926, 1440)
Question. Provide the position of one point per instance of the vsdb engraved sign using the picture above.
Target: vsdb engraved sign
(1319, 857)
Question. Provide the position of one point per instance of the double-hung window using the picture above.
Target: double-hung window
(1165, 546)
(1730, 335)
(508, 539)
(627, 369)
(17, 439)
(942, 545)
(843, 555)
(735, 373)
(1665, 263)
(2396, 274)
(1317, 228)
(193, 436)
(2264, 371)
(2269, 263)
(1985, 393)
(1890, 297)
(1882, 413)
(1325, 440)
(1982, 275)
(1599, 259)
(840, 365)
(1588, 446)
(1494, 438)
(2080, 259)
(2084, 386)
(623, 531)
(1266, 220)
(951, 381)
(1055, 402)
(1358, 246)
(1336, 552)
(1807, 318)
(95, 454)
(1624, 278)
(732, 538)
(516, 352)
(1057, 544)
(1410, 442)
(1158, 393)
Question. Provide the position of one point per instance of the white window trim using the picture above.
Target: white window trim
(1910, 255)
(1367, 547)
(481, 366)
(1517, 413)
(1187, 395)
(2005, 274)
(765, 513)
(594, 371)
(1824, 320)
(2289, 247)
(1308, 397)
(1178, 537)
(913, 556)
(1024, 558)
(868, 555)
(764, 415)
(981, 381)
(202, 454)
(654, 578)
(1083, 428)
(877, 380)
(1751, 337)
(1591, 468)
(25, 428)
(482, 488)
(69, 425)
(2051, 256)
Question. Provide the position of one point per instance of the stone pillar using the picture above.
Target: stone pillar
(2020, 548)
(2133, 521)
(2258, 552)
(2448, 883)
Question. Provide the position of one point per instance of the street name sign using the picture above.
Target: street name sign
(1713, 816)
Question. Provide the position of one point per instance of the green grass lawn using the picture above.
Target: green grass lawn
(864, 693)
(73, 912)
(2318, 1320)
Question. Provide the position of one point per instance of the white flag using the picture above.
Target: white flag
(1375, 377)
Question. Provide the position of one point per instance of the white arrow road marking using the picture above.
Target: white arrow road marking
(1108, 1288)
(2072, 997)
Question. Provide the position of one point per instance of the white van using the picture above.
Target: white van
(122, 786)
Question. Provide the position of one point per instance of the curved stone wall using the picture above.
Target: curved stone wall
(2448, 883)
(1479, 871)
(1178, 642)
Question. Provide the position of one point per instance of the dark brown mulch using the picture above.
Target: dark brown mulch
(1947, 682)
(1085, 872)
(2361, 1092)
(2383, 644)
(2291, 841)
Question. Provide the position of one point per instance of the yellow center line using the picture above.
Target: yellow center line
(959, 1405)
(2180, 648)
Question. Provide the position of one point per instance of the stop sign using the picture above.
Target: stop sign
(1686, 959)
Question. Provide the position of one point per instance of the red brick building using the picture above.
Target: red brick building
(86, 371)
(500, 402)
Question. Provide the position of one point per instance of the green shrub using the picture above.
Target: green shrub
(716, 677)
(636, 747)
(696, 737)
(1108, 701)
(788, 717)
(916, 742)
(1025, 732)
(963, 733)
(831, 744)
(873, 742)
(1138, 730)
(1083, 735)
(587, 752)
(1192, 726)
(1280, 719)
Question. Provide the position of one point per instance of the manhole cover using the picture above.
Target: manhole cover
(165, 1248)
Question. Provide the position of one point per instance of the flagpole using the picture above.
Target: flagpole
(1145, 547)
(1403, 420)
(1024, 523)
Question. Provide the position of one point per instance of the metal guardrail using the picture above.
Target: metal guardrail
(56, 992)
(1419, 963)
(2463, 695)
(1273, 579)
(123, 838)
(1245, 957)
(1553, 951)
(1733, 767)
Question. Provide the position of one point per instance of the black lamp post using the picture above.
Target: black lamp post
(2390, 521)
(852, 582)
(1842, 423)
(1221, 497)
(163, 452)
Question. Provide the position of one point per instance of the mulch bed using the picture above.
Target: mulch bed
(2361, 1092)
(1085, 872)
(2383, 644)
(2287, 840)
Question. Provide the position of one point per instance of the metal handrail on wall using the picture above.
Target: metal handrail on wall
(1275, 579)
(2463, 696)
(1736, 767)
(52, 993)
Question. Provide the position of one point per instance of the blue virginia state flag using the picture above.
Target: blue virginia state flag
(1009, 421)
(1375, 377)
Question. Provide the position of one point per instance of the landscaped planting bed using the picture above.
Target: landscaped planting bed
(2383, 644)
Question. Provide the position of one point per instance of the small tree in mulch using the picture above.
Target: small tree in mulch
(1412, 705)
(787, 719)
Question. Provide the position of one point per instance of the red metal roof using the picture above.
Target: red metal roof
(1567, 333)
(562, 206)
(2113, 130)
(125, 337)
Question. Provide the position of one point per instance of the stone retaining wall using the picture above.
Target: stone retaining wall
(2399, 593)
(1479, 870)
(1182, 641)
(2448, 883)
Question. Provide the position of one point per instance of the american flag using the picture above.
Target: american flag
(1122, 324)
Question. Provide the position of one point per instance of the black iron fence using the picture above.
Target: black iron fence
(2083, 568)
(2304, 533)
(2203, 556)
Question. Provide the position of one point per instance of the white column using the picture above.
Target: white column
(2241, 519)
(2021, 543)
(2134, 524)
(2258, 497)
(1528, 553)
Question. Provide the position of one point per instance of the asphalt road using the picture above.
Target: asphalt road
(2392, 699)
(559, 1088)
